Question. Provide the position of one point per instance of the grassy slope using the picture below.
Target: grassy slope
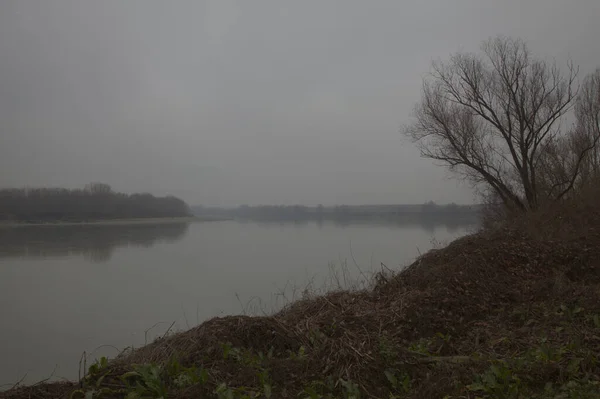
(511, 313)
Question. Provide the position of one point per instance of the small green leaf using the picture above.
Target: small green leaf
(389, 374)
(93, 369)
(406, 383)
(104, 392)
(203, 376)
(573, 366)
(267, 390)
(79, 393)
(476, 387)
(99, 382)
(301, 352)
(130, 375)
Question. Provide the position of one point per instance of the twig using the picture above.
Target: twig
(19, 382)
(46, 379)
(449, 359)
(105, 346)
(147, 330)
(434, 359)
(358, 353)
(387, 268)
(169, 329)
(81, 359)
(365, 279)
(185, 318)
(241, 304)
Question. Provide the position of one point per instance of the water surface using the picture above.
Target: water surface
(69, 289)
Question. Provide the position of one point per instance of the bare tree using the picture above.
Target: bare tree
(571, 162)
(492, 117)
(587, 112)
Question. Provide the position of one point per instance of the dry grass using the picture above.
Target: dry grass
(520, 304)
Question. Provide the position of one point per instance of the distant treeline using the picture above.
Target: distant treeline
(96, 201)
(468, 213)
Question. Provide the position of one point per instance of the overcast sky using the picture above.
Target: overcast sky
(227, 102)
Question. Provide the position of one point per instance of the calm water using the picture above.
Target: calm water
(64, 290)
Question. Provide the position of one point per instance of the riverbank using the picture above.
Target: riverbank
(116, 222)
(508, 313)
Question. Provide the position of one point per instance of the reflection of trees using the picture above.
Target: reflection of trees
(95, 243)
(427, 216)
(428, 222)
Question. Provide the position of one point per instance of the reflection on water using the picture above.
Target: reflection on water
(428, 224)
(95, 243)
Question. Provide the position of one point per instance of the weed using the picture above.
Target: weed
(316, 337)
(300, 355)
(229, 351)
(223, 391)
(146, 380)
(387, 349)
(569, 312)
(498, 382)
(269, 354)
(351, 390)
(401, 383)
(98, 366)
(594, 319)
(421, 346)
(265, 382)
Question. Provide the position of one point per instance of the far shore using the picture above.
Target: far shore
(115, 222)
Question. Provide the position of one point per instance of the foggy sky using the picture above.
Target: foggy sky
(227, 102)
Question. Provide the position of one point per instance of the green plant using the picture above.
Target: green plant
(311, 393)
(351, 390)
(225, 392)
(181, 376)
(300, 355)
(92, 394)
(145, 381)
(421, 346)
(387, 349)
(229, 351)
(318, 390)
(569, 312)
(316, 337)
(98, 365)
(265, 382)
(401, 383)
(269, 354)
(594, 319)
(498, 381)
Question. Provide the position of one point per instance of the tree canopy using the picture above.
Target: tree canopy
(96, 202)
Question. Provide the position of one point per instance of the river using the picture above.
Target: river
(69, 289)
